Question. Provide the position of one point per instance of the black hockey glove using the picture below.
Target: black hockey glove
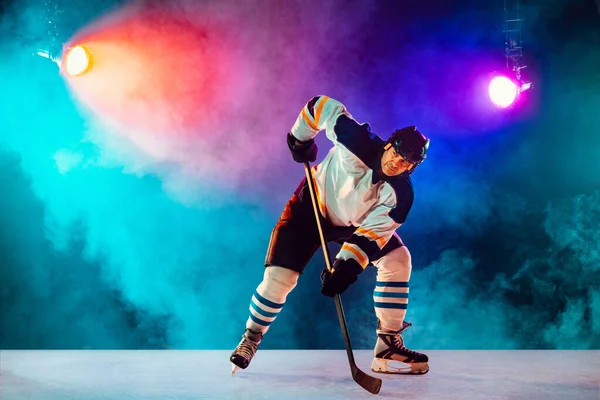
(302, 151)
(345, 273)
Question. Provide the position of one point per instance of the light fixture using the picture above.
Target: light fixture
(504, 89)
(78, 60)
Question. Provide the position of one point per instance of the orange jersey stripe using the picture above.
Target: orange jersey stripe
(362, 259)
(380, 241)
(307, 119)
(320, 109)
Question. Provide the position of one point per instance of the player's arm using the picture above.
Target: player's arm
(321, 112)
(358, 251)
(369, 238)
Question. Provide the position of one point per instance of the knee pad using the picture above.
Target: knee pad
(279, 281)
(394, 266)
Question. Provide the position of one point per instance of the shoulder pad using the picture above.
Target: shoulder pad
(358, 139)
(403, 188)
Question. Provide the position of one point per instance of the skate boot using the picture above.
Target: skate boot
(243, 353)
(392, 357)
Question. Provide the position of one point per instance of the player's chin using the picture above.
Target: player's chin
(392, 172)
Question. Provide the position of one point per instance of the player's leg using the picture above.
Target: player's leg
(265, 304)
(391, 300)
(293, 242)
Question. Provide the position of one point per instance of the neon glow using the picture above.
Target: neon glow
(503, 91)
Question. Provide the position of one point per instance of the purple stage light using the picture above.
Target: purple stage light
(503, 91)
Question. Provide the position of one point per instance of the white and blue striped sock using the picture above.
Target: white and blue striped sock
(269, 298)
(390, 301)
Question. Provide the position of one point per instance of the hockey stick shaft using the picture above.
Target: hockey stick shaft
(369, 383)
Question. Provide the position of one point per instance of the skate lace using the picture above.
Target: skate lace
(398, 342)
(247, 348)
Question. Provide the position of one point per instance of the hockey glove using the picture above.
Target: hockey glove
(302, 151)
(345, 273)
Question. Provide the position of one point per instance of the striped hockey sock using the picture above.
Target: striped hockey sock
(269, 298)
(262, 312)
(390, 301)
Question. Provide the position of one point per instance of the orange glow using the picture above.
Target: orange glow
(152, 75)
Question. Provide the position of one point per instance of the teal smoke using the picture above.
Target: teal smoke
(104, 247)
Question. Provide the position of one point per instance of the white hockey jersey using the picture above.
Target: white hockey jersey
(350, 190)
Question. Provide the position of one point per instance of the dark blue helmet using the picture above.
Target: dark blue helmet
(411, 144)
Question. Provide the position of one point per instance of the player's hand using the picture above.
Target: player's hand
(302, 151)
(345, 273)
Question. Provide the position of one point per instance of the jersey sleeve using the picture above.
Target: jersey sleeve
(321, 112)
(373, 234)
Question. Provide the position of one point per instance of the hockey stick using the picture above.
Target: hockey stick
(367, 382)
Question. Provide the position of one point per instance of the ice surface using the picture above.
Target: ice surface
(298, 374)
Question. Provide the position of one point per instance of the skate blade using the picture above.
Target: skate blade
(234, 369)
(397, 367)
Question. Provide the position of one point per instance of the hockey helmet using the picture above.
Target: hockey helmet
(411, 144)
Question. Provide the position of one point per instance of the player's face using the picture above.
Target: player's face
(393, 164)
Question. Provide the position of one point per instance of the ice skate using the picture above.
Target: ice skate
(243, 353)
(392, 357)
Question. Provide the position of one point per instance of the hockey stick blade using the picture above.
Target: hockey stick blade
(367, 382)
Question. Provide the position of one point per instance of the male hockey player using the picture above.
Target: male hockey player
(364, 193)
